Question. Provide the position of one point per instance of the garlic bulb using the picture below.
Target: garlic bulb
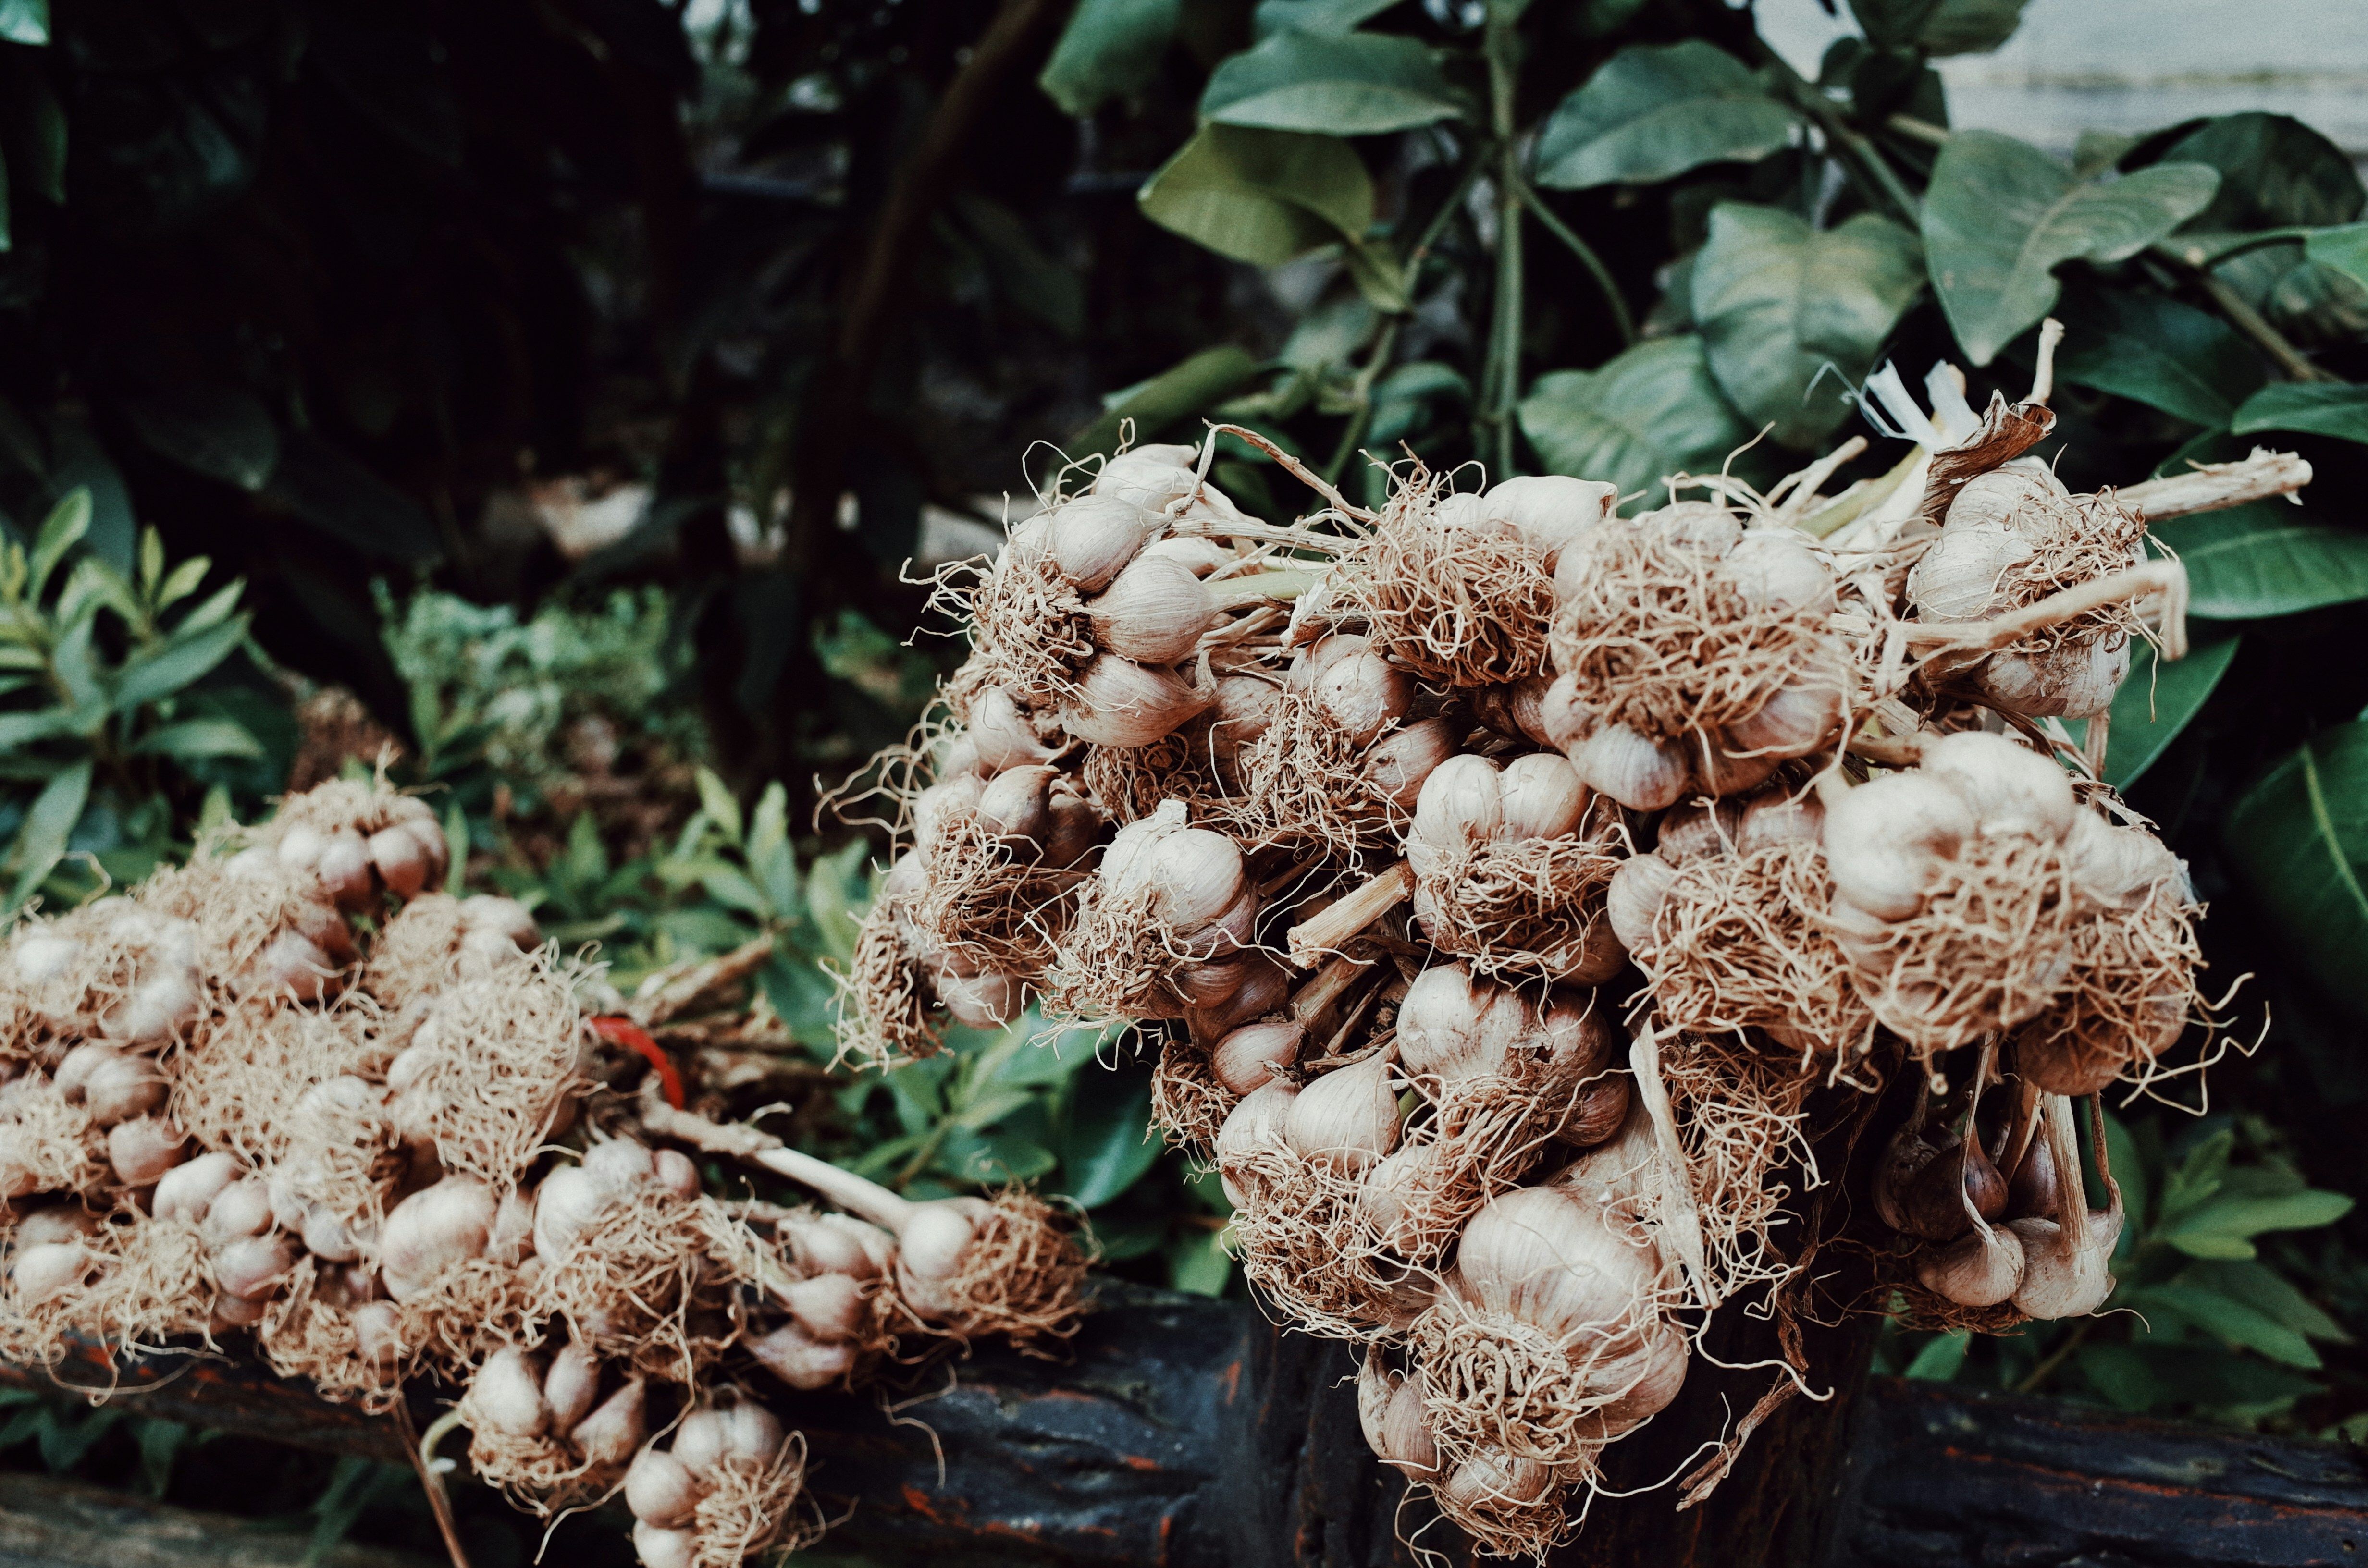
(1508, 871)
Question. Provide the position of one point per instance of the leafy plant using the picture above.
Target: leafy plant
(2212, 1313)
(111, 726)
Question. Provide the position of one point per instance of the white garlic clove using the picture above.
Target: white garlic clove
(981, 1001)
(1004, 736)
(1153, 612)
(187, 1190)
(1346, 1119)
(607, 1437)
(1777, 818)
(1798, 720)
(507, 1395)
(1363, 694)
(1957, 578)
(253, 1268)
(665, 1548)
(1459, 809)
(435, 1228)
(1091, 538)
(660, 1488)
(1981, 1268)
(2075, 681)
(1123, 704)
(1551, 510)
(1639, 772)
(1402, 763)
(1543, 797)
(571, 1386)
(1886, 839)
(1775, 569)
(47, 1270)
(142, 1150)
(2011, 788)
(1248, 1058)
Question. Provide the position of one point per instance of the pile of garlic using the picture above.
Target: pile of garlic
(287, 1099)
(1516, 922)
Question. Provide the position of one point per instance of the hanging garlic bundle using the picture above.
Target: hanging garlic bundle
(544, 1433)
(1972, 894)
(1726, 919)
(1692, 655)
(1342, 761)
(1510, 866)
(730, 1486)
(1458, 588)
(1167, 922)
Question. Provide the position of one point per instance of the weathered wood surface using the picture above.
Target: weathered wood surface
(48, 1523)
(1183, 1433)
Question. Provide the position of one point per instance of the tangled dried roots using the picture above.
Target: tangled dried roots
(237, 1092)
(502, 1061)
(1029, 633)
(1116, 962)
(1491, 1381)
(1188, 1104)
(1898, 1294)
(750, 1510)
(1739, 1113)
(1023, 1278)
(303, 1337)
(2129, 994)
(464, 1314)
(638, 1283)
(1504, 1524)
(1530, 906)
(1656, 636)
(1129, 782)
(47, 1143)
(1992, 948)
(1461, 605)
(884, 1013)
(1304, 1240)
(237, 914)
(1738, 946)
(1304, 785)
(540, 1475)
(2087, 530)
(341, 805)
(148, 1283)
(422, 950)
(989, 910)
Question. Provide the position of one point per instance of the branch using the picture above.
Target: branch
(2213, 487)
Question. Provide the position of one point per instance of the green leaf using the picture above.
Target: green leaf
(68, 1437)
(184, 658)
(722, 806)
(1356, 84)
(1655, 110)
(1326, 18)
(2158, 699)
(771, 862)
(2266, 558)
(220, 432)
(991, 1158)
(2224, 1225)
(193, 738)
(2313, 408)
(64, 529)
(2298, 840)
(1110, 50)
(2267, 1289)
(2345, 249)
(47, 824)
(1263, 197)
(456, 843)
(2232, 1322)
(1108, 1144)
(1200, 383)
(2157, 350)
(2275, 172)
(1940, 1358)
(1654, 410)
(24, 729)
(2000, 215)
(1199, 1265)
(1782, 307)
(1970, 27)
(25, 21)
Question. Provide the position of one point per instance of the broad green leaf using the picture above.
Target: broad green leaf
(1357, 85)
(49, 824)
(64, 529)
(1326, 18)
(1110, 50)
(2159, 351)
(456, 844)
(1651, 412)
(1655, 110)
(74, 662)
(1197, 385)
(1937, 26)
(993, 1158)
(220, 432)
(722, 806)
(216, 608)
(1108, 1144)
(193, 738)
(2000, 215)
(1939, 1360)
(2313, 408)
(182, 581)
(1199, 1265)
(2272, 1292)
(2298, 840)
(2158, 699)
(2345, 249)
(2275, 172)
(24, 729)
(1783, 308)
(2223, 1227)
(82, 463)
(771, 862)
(25, 21)
(833, 884)
(2232, 1322)
(2266, 558)
(1263, 197)
(177, 664)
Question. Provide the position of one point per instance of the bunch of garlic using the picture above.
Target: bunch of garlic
(839, 1267)
(1167, 922)
(359, 842)
(1510, 865)
(726, 1488)
(1971, 893)
(544, 1432)
(2011, 537)
(1692, 655)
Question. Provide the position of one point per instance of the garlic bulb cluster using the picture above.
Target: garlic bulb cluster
(543, 1430)
(833, 1291)
(1512, 864)
(2010, 538)
(1692, 654)
(1972, 892)
(1167, 922)
(1459, 588)
(729, 1486)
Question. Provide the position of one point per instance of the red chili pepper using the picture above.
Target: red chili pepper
(624, 1032)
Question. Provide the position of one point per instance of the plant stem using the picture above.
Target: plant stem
(1917, 130)
(1621, 319)
(1503, 376)
(1862, 153)
(2055, 1358)
(2246, 320)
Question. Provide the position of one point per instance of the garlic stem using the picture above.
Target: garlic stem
(1801, 485)
(656, 1004)
(1329, 986)
(2168, 578)
(1298, 470)
(1281, 585)
(1325, 933)
(2042, 375)
(865, 1199)
(1860, 498)
(2213, 487)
